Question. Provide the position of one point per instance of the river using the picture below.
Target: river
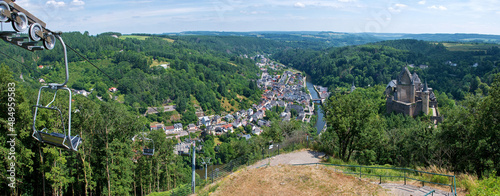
(320, 123)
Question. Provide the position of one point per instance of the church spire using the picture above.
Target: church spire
(426, 88)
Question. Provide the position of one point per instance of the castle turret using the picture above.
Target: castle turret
(425, 99)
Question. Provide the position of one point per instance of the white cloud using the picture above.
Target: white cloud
(299, 5)
(77, 3)
(252, 12)
(434, 7)
(55, 3)
(400, 5)
(346, 1)
(421, 2)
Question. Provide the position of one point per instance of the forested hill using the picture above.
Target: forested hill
(453, 68)
(201, 71)
(194, 76)
(296, 39)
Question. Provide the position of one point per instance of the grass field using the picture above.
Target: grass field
(468, 46)
(157, 63)
(142, 37)
(226, 104)
(232, 64)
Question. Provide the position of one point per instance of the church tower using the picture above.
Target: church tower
(425, 99)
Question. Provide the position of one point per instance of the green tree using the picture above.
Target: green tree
(349, 118)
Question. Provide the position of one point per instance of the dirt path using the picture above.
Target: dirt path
(298, 157)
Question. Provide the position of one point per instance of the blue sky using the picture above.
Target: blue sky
(160, 16)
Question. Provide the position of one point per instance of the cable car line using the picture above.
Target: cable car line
(83, 57)
(25, 66)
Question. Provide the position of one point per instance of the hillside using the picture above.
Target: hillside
(295, 180)
(448, 67)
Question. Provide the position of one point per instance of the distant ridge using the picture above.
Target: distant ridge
(363, 37)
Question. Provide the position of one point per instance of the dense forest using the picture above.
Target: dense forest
(452, 72)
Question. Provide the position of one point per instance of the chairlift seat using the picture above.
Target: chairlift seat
(148, 151)
(58, 139)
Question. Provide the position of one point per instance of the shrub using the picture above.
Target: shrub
(440, 179)
(488, 186)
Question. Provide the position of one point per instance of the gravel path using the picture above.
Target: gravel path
(298, 157)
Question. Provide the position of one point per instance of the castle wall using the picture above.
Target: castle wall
(410, 109)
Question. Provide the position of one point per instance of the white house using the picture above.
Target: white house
(192, 127)
(257, 131)
(249, 112)
(205, 121)
(169, 129)
(178, 127)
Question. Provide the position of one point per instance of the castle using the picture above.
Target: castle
(407, 95)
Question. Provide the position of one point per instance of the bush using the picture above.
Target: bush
(488, 186)
(181, 190)
(440, 179)
(467, 182)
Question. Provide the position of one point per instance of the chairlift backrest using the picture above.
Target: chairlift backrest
(148, 150)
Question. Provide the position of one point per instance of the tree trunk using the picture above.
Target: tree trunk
(107, 164)
(43, 173)
(158, 177)
(150, 175)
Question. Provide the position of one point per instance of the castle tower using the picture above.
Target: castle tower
(412, 92)
(425, 99)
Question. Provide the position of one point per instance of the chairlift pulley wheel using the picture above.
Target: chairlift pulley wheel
(20, 22)
(4, 6)
(50, 41)
(34, 29)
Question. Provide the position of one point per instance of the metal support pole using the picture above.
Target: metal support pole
(404, 173)
(205, 171)
(359, 172)
(454, 186)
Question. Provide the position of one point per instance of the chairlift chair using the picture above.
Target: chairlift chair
(63, 140)
(148, 151)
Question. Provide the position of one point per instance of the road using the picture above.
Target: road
(298, 157)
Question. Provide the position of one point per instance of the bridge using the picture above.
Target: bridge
(319, 100)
